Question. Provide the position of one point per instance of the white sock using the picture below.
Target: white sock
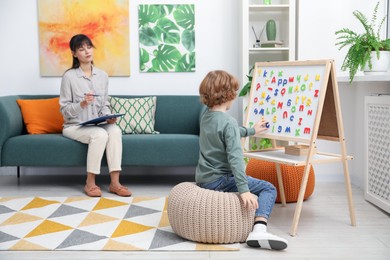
(260, 228)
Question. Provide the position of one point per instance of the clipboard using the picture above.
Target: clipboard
(100, 120)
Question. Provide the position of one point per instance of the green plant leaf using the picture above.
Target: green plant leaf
(148, 14)
(186, 63)
(245, 89)
(185, 16)
(265, 143)
(143, 58)
(165, 9)
(166, 57)
(188, 39)
(147, 36)
(167, 31)
(152, 70)
(386, 44)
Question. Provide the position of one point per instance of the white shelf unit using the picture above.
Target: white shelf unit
(377, 142)
(255, 14)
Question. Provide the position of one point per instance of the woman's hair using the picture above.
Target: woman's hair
(218, 87)
(76, 42)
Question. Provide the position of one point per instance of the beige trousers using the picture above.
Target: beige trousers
(100, 138)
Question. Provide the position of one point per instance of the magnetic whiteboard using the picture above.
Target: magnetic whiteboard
(290, 96)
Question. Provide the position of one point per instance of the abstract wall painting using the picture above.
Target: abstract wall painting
(106, 22)
(166, 37)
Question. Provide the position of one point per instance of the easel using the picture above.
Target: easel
(327, 125)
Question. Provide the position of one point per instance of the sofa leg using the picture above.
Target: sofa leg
(18, 171)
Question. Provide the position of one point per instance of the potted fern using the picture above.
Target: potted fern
(365, 48)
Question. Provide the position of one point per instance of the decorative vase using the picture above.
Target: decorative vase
(271, 30)
(379, 66)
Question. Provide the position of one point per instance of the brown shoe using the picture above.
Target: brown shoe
(120, 191)
(93, 192)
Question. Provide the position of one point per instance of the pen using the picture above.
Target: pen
(94, 95)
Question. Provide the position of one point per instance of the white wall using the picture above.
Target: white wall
(217, 29)
(319, 20)
(216, 48)
(317, 24)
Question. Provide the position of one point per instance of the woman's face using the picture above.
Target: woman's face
(84, 53)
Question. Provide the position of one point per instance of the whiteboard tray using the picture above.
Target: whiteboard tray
(278, 156)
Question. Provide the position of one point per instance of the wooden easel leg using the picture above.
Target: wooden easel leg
(280, 178)
(348, 187)
(281, 185)
(340, 126)
(298, 208)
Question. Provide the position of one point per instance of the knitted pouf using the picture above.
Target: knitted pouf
(208, 216)
(291, 176)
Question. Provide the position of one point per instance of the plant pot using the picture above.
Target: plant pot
(379, 66)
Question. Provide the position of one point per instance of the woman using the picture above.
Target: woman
(84, 96)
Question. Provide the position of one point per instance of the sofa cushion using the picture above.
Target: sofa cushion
(138, 150)
(43, 150)
(139, 114)
(41, 116)
(160, 150)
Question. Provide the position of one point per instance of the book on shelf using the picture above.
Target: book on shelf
(272, 44)
(299, 150)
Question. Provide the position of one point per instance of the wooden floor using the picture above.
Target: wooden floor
(324, 230)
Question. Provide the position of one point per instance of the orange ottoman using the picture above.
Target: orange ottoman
(291, 175)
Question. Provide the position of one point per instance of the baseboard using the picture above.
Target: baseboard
(31, 171)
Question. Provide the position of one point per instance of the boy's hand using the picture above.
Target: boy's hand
(260, 126)
(249, 200)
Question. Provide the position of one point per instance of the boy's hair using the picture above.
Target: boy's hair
(218, 87)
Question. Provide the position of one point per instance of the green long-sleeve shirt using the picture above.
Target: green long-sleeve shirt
(220, 149)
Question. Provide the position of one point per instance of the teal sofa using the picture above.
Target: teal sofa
(176, 118)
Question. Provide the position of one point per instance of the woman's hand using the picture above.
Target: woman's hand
(111, 120)
(249, 200)
(88, 99)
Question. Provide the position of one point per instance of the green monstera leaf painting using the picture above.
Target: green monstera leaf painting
(166, 38)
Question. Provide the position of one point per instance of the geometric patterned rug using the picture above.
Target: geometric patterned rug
(85, 223)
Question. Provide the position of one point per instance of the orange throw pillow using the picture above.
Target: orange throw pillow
(41, 116)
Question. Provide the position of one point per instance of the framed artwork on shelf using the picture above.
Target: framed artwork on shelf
(105, 22)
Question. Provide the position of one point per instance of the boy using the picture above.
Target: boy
(221, 161)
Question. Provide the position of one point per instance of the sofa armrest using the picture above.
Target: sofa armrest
(10, 118)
